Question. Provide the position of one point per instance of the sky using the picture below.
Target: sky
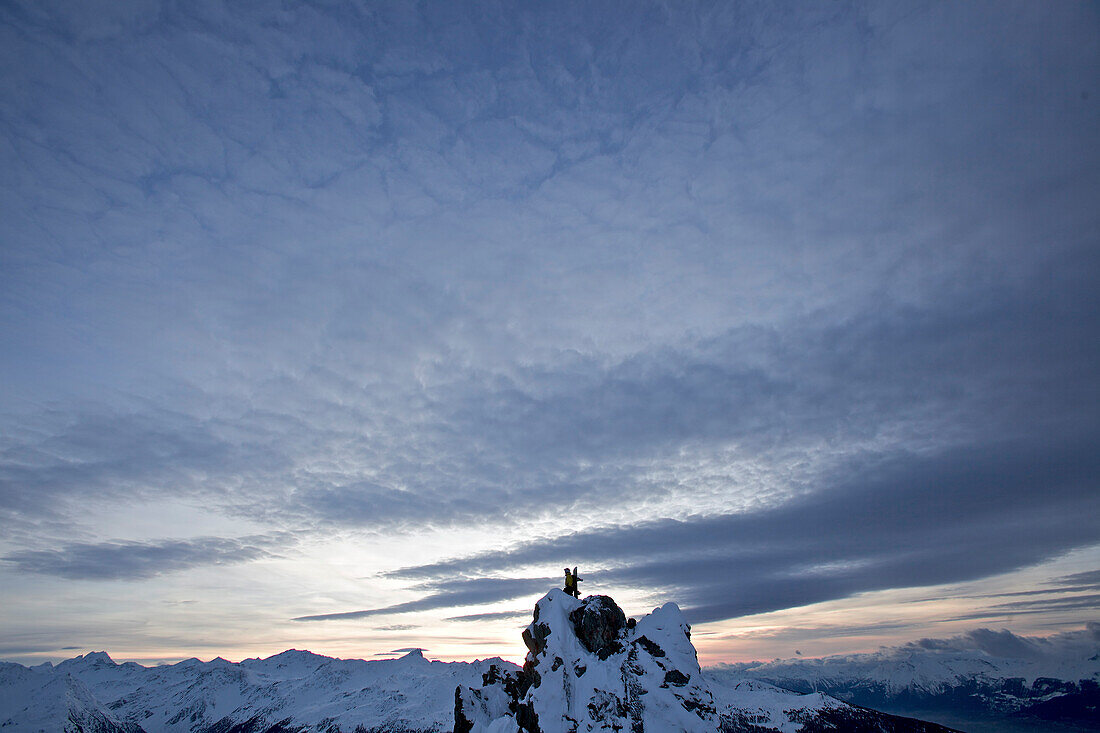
(346, 326)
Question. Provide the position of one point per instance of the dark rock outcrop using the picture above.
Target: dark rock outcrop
(590, 669)
(598, 623)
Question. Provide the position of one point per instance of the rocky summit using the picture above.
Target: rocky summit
(589, 668)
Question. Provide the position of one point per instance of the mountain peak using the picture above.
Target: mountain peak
(296, 654)
(590, 668)
(98, 659)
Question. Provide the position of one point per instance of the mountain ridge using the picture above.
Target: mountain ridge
(984, 679)
(589, 668)
(297, 690)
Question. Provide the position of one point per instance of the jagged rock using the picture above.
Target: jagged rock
(534, 636)
(597, 623)
(650, 647)
(463, 724)
(490, 701)
(526, 718)
(589, 669)
(676, 677)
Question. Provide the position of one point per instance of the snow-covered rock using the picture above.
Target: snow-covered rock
(1034, 683)
(291, 692)
(590, 669)
(43, 700)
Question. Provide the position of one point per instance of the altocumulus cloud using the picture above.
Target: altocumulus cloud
(584, 433)
(138, 560)
(813, 293)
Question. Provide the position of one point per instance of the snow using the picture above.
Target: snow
(408, 693)
(767, 705)
(648, 680)
(646, 673)
(911, 667)
(42, 699)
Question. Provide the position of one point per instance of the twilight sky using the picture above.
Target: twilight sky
(346, 326)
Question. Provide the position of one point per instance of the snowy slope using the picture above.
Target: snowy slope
(767, 706)
(43, 700)
(589, 669)
(1044, 681)
(651, 670)
(907, 668)
(297, 689)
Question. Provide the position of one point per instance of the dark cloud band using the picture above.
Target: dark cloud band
(138, 560)
(880, 522)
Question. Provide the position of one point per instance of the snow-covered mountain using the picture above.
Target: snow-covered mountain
(44, 700)
(590, 669)
(292, 691)
(984, 680)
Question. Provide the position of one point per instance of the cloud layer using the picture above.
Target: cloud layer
(139, 560)
(889, 522)
(754, 309)
(1058, 655)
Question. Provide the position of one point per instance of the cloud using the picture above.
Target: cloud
(778, 406)
(494, 616)
(1088, 579)
(1087, 602)
(140, 560)
(882, 522)
(812, 633)
(1074, 583)
(518, 373)
(775, 288)
(133, 453)
(448, 594)
(401, 652)
(1052, 652)
(1052, 598)
(1005, 644)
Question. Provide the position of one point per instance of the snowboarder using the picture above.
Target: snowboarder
(571, 580)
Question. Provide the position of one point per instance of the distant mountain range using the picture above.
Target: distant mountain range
(640, 677)
(981, 681)
(295, 690)
(590, 669)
